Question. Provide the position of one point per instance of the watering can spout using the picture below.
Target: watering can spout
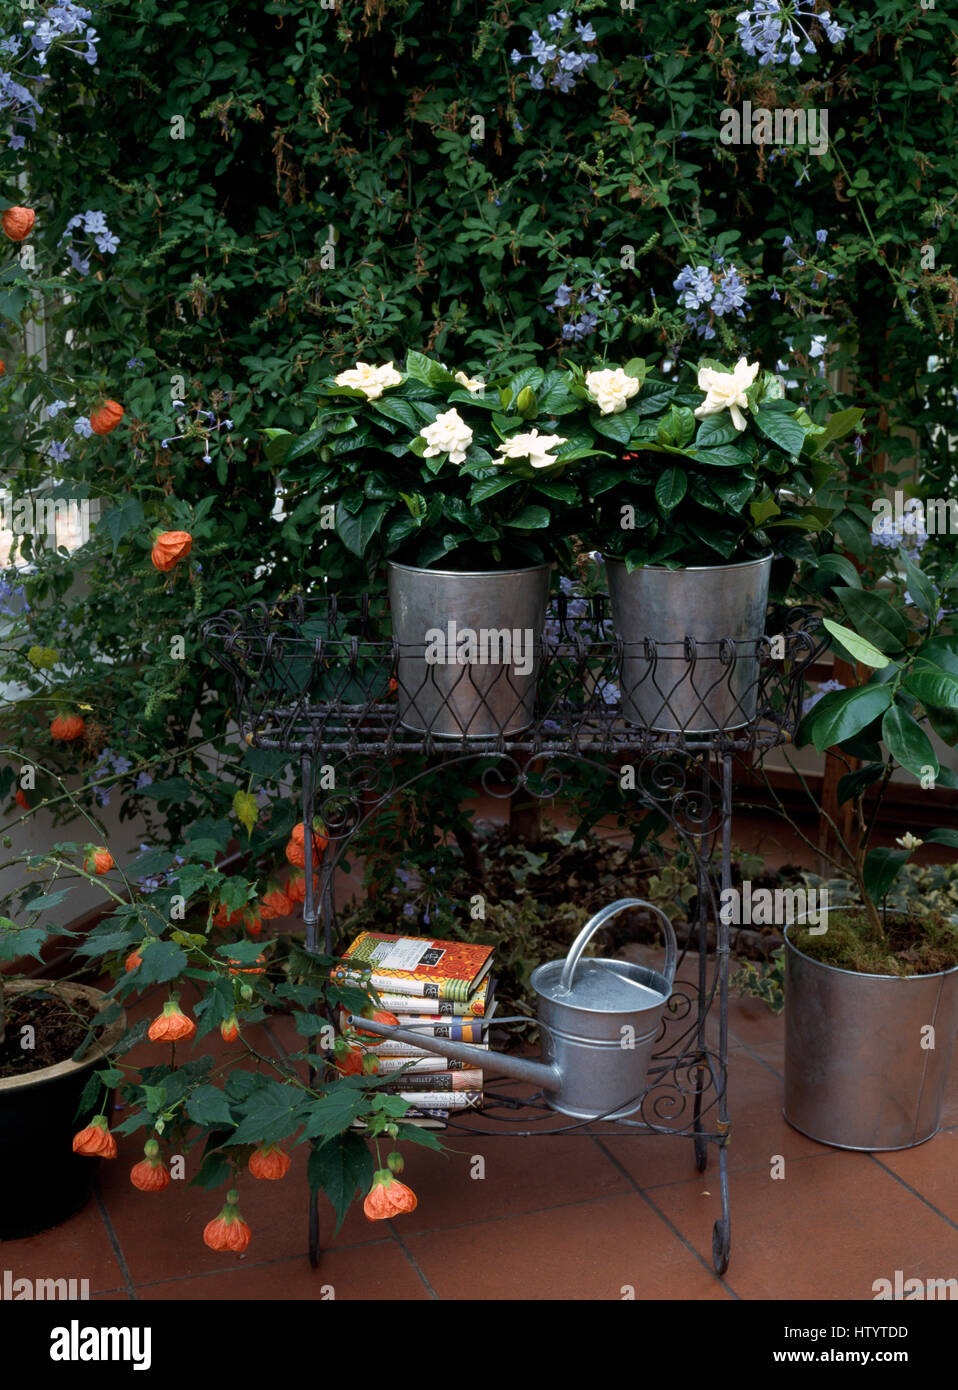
(500, 1063)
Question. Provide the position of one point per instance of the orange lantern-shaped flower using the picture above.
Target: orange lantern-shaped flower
(379, 1016)
(152, 1174)
(107, 418)
(67, 727)
(172, 1025)
(269, 1161)
(274, 904)
(296, 848)
(388, 1197)
(95, 1141)
(18, 222)
(228, 1231)
(296, 887)
(258, 969)
(229, 1029)
(133, 960)
(99, 861)
(170, 548)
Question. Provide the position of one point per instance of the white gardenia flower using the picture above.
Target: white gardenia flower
(371, 380)
(448, 434)
(611, 389)
(473, 384)
(533, 446)
(726, 392)
(909, 841)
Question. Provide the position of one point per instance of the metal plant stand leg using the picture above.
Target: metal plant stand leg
(336, 699)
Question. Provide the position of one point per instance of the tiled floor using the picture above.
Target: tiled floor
(582, 1217)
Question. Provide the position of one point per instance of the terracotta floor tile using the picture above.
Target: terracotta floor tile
(378, 1271)
(758, 1131)
(589, 1251)
(829, 1229)
(79, 1249)
(519, 1175)
(931, 1169)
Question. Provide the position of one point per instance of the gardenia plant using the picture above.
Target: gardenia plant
(722, 470)
(435, 468)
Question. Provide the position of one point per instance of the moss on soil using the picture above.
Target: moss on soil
(910, 945)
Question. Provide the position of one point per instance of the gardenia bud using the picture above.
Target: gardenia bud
(526, 403)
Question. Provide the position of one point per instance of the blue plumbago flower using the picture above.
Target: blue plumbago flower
(585, 32)
(821, 236)
(558, 20)
(818, 346)
(53, 410)
(824, 689)
(563, 297)
(772, 31)
(696, 285)
(134, 362)
(408, 910)
(730, 294)
(58, 451)
(93, 224)
(569, 62)
(775, 294)
(143, 780)
(859, 445)
(82, 426)
(564, 81)
(8, 592)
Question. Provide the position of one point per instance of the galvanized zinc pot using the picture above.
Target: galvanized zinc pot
(718, 687)
(859, 1073)
(42, 1181)
(599, 1021)
(434, 612)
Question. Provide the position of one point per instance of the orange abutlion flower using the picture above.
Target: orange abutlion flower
(67, 727)
(106, 418)
(95, 1141)
(229, 1029)
(228, 1231)
(388, 1197)
(152, 1174)
(170, 548)
(18, 222)
(99, 861)
(172, 1024)
(269, 1161)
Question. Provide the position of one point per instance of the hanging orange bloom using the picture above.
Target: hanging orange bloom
(296, 887)
(256, 969)
(274, 904)
(133, 960)
(99, 861)
(228, 1231)
(269, 1161)
(388, 1197)
(172, 1024)
(229, 1029)
(169, 548)
(296, 849)
(152, 1174)
(67, 727)
(95, 1141)
(21, 799)
(18, 222)
(107, 418)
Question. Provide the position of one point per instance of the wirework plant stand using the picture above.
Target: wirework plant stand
(318, 679)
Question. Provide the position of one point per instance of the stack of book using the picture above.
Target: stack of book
(442, 989)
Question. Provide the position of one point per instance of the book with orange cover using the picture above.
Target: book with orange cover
(415, 965)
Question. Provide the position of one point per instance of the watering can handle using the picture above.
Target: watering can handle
(593, 925)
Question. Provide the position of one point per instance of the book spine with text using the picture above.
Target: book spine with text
(470, 1080)
(442, 1100)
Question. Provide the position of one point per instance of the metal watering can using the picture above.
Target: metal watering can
(599, 1021)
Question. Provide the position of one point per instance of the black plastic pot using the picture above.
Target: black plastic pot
(42, 1181)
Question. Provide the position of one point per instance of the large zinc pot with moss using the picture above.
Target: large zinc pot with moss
(866, 1055)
